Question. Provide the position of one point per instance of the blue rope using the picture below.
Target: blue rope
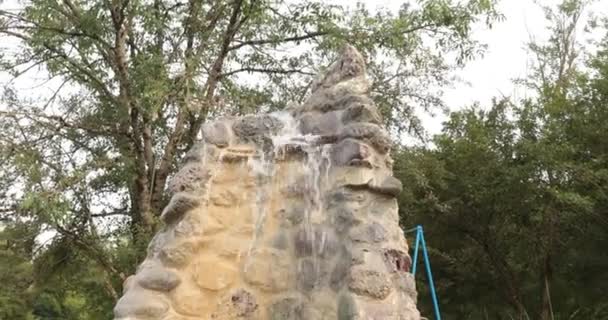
(427, 264)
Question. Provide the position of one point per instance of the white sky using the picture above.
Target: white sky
(506, 58)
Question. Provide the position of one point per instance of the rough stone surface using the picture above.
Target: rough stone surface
(397, 261)
(372, 233)
(216, 133)
(390, 186)
(292, 216)
(348, 151)
(372, 283)
(156, 244)
(321, 123)
(178, 206)
(406, 283)
(362, 112)
(307, 275)
(239, 304)
(340, 271)
(370, 133)
(344, 219)
(269, 270)
(191, 178)
(158, 278)
(211, 275)
(177, 254)
(285, 216)
(280, 241)
(244, 302)
(317, 240)
(350, 65)
(250, 127)
(286, 309)
(347, 308)
(140, 303)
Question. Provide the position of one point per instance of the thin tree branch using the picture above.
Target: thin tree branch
(264, 70)
(277, 41)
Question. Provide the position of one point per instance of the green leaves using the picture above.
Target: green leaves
(515, 196)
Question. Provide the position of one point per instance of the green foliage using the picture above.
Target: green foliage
(503, 208)
(15, 271)
(513, 196)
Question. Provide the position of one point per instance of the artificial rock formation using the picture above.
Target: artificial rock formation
(289, 215)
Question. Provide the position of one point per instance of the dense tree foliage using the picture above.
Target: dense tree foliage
(513, 196)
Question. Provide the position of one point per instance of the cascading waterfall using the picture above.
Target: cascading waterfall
(287, 215)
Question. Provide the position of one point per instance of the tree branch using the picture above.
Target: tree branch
(210, 85)
(263, 70)
(277, 41)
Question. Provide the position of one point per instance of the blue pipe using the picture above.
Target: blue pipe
(429, 275)
(416, 246)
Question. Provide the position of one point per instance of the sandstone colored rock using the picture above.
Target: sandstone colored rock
(370, 133)
(286, 309)
(371, 283)
(362, 112)
(307, 275)
(269, 270)
(406, 283)
(191, 178)
(226, 198)
(189, 226)
(347, 151)
(239, 304)
(177, 254)
(251, 127)
(397, 261)
(179, 205)
(390, 186)
(217, 133)
(315, 240)
(340, 272)
(157, 243)
(372, 233)
(350, 65)
(285, 216)
(321, 123)
(213, 274)
(141, 303)
(158, 278)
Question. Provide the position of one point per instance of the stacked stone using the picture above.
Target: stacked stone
(250, 234)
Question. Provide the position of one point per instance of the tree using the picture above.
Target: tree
(15, 251)
(133, 82)
(515, 194)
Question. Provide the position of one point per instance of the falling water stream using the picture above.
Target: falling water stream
(315, 173)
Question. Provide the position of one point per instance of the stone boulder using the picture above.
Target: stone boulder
(283, 216)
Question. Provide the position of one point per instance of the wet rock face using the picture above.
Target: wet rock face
(288, 215)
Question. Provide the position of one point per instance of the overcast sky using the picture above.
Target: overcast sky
(506, 57)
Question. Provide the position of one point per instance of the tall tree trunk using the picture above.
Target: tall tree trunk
(546, 272)
(546, 311)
